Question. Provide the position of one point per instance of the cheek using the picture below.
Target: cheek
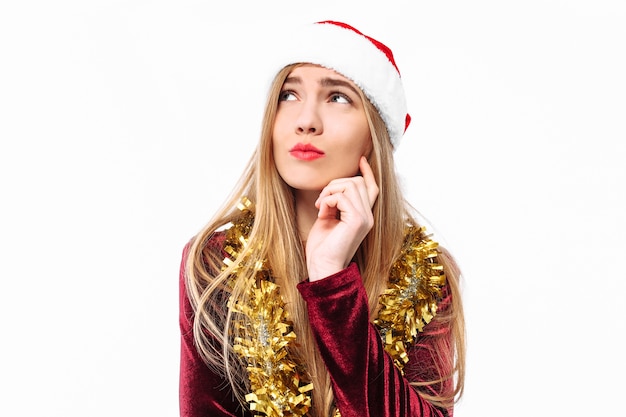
(367, 145)
(276, 154)
(283, 120)
(278, 136)
(365, 142)
(362, 136)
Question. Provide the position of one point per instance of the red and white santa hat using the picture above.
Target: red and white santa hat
(362, 59)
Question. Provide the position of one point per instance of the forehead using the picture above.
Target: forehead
(316, 72)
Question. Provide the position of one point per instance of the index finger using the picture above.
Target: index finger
(369, 179)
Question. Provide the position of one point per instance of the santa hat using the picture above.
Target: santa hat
(362, 59)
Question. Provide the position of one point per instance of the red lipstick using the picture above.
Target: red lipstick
(306, 152)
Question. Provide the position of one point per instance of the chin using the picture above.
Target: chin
(307, 185)
(300, 187)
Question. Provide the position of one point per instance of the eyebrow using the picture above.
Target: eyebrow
(325, 82)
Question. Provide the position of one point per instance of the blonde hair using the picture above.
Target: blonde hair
(275, 234)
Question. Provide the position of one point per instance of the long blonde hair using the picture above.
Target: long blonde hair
(275, 235)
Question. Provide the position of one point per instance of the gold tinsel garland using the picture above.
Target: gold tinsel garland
(410, 302)
(279, 386)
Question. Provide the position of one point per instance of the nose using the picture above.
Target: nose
(309, 121)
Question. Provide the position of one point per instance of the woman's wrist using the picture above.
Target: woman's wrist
(318, 272)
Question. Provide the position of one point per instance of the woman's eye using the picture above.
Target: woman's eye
(340, 98)
(287, 96)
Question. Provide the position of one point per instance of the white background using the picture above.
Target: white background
(123, 125)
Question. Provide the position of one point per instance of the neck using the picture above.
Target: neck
(306, 212)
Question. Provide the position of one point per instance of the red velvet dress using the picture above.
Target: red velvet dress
(364, 379)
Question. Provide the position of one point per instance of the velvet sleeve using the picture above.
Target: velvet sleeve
(364, 379)
(202, 393)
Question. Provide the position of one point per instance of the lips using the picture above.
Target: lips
(306, 152)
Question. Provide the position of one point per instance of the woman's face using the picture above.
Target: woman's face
(321, 130)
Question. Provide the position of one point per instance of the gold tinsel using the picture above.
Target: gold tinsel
(279, 386)
(410, 302)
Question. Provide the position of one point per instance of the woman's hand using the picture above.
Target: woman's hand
(344, 219)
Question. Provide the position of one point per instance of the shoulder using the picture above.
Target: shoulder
(202, 254)
(215, 241)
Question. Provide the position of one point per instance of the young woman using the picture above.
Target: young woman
(314, 291)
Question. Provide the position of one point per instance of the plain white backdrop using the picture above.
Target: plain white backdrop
(124, 124)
